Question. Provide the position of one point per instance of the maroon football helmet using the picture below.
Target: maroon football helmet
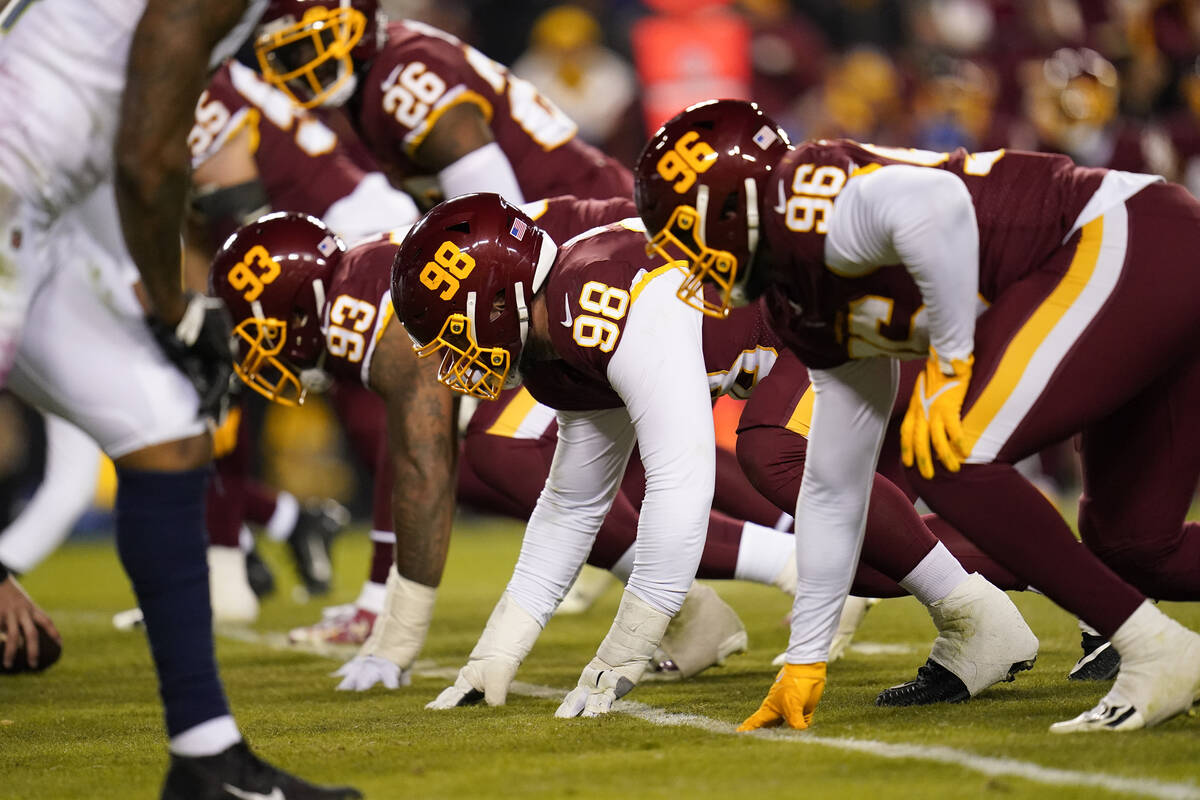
(272, 273)
(700, 188)
(462, 280)
(307, 48)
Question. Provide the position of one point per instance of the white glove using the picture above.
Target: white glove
(620, 660)
(362, 672)
(483, 679)
(506, 640)
(397, 636)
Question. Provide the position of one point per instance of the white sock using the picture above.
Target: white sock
(938, 574)
(624, 566)
(1137, 633)
(245, 539)
(762, 553)
(283, 521)
(371, 597)
(383, 537)
(207, 738)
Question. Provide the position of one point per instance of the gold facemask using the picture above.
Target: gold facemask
(313, 53)
(466, 367)
(678, 241)
(260, 368)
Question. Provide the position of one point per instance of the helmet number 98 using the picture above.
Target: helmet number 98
(683, 162)
(253, 272)
(449, 266)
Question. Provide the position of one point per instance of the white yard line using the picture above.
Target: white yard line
(985, 765)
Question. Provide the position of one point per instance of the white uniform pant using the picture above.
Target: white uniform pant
(84, 351)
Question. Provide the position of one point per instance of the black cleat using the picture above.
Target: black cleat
(1100, 660)
(936, 684)
(933, 684)
(259, 575)
(238, 774)
(310, 543)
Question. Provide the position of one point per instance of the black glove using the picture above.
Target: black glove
(201, 346)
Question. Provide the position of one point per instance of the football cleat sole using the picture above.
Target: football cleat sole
(1099, 662)
(936, 684)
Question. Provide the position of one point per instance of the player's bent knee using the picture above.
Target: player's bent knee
(178, 455)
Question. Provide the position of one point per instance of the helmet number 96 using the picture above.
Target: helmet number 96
(253, 272)
(683, 162)
(449, 266)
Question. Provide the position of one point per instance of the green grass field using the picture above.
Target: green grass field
(91, 726)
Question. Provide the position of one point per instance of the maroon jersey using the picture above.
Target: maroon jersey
(1025, 204)
(358, 303)
(591, 290)
(422, 72)
(303, 164)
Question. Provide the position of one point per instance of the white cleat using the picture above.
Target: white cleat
(587, 589)
(703, 634)
(233, 601)
(1159, 677)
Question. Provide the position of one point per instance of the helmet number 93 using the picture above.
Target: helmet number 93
(683, 162)
(449, 266)
(253, 272)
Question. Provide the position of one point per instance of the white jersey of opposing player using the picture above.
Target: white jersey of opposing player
(62, 73)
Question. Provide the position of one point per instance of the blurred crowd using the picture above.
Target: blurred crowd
(1112, 83)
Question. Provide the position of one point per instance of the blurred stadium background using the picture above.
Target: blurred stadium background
(1111, 83)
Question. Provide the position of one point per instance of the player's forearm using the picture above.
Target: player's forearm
(167, 71)
(424, 450)
(923, 218)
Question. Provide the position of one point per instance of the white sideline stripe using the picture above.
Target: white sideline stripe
(985, 765)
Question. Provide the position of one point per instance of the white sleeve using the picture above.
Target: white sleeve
(658, 370)
(851, 408)
(66, 491)
(485, 169)
(593, 448)
(373, 207)
(923, 218)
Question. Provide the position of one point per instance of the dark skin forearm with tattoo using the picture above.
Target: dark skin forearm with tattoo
(424, 446)
(168, 69)
(461, 130)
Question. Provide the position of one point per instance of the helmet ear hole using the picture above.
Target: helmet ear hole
(498, 306)
(729, 209)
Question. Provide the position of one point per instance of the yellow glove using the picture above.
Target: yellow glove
(793, 698)
(935, 413)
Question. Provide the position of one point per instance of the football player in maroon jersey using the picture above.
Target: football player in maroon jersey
(308, 311)
(426, 104)
(1045, 302)
(593, 331)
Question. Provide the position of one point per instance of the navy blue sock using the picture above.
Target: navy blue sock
(162, 545)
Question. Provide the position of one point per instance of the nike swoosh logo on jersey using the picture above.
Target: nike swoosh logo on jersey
(566, 323)
(276, 793)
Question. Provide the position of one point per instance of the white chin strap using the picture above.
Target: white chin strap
(702, 213)
(513, 378)
(316, 379)
(737, 292)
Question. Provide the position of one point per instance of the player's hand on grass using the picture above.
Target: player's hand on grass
(485, 679)
(20, 618)
(363, 672)
(934, 416)
(792, 699)
(600, 685)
